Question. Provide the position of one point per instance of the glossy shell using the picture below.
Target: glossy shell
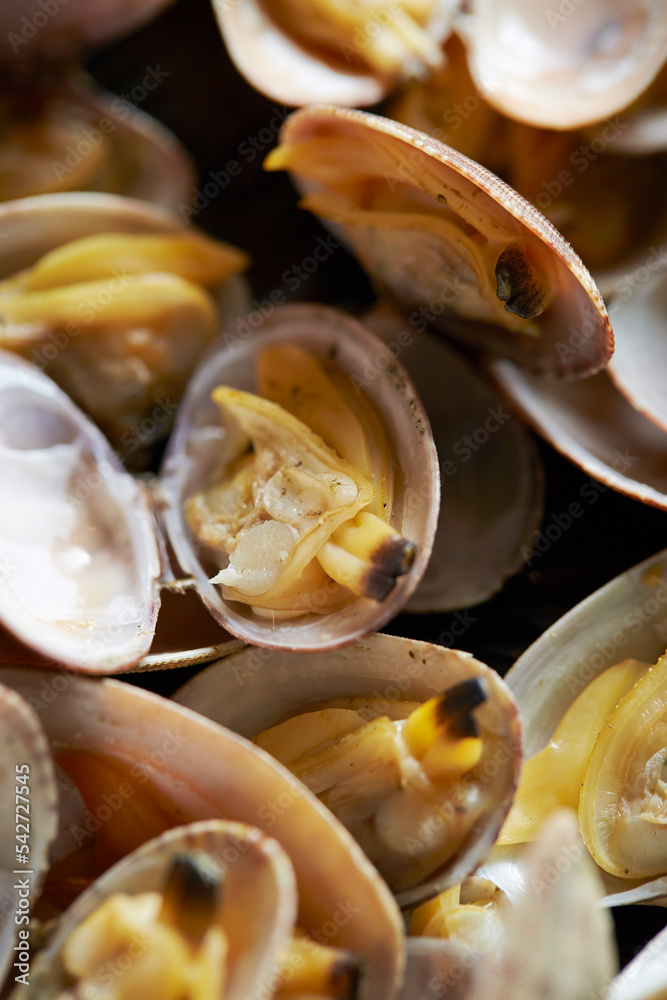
(626, 618)
(255, 689)
(437, 174)
(257, 911)
(159, 747)
(79, 561)
(193, 450)
(578, 65)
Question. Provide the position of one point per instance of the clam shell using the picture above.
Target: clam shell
(285, 70)
(254, 689)
(438, 172)
(640, 360)
(164, 748)
(577, 66)
(625, 618)
(492, 500)
(78, 558)
(594, 426)
(194, 447)
(25, 751)
(258, 908)
(645, 977)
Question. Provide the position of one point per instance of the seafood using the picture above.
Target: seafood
(113, 739)
(431, 832)
(575, 68)
(28, 825)
(447, 239)
(340, 53)
(212, 903)
(599, 692)
(344, 597)
(469, 913)
(104, 312)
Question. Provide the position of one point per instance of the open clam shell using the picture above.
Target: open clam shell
(194, 454)
(28, 820)
(640, 362)
(448, 239)
(79, 561)
(151, 753)
(294, 71)
(255, 689)
(256, 910)
(625, 618)
(595, 427)
(492, 499)
(576, 66)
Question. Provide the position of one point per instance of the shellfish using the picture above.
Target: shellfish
(447, 239)
(114, 739)
(572, 667)
(431, 834)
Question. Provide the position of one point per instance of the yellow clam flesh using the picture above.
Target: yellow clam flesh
(596, 737)
(132, 764)
(106, 314)
(300, 499)
(313, 510)
(414, 747)
(447, 239)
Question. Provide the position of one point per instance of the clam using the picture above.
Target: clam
(28, 825)
(491, 504)
(563, 69)
(447, 239)
(215, 900)
(575, 691)
(105, 317)
(69, 135)
(434, 832)
(301, 568)
(136, 761)
(296, 52)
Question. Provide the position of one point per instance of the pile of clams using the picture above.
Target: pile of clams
(217, 457)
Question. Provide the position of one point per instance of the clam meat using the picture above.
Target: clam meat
(446, 238)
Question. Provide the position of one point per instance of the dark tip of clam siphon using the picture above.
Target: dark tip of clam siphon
(191, 894)
(394, 556)
(457, 705)
(517, 283)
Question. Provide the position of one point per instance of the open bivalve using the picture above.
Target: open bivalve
(414, 747)
(592, 695)
(447, 240)
(313, 537)
(129, 766)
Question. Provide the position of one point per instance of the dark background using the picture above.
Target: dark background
(219, 118)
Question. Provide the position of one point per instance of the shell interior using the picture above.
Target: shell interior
(193, 454)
